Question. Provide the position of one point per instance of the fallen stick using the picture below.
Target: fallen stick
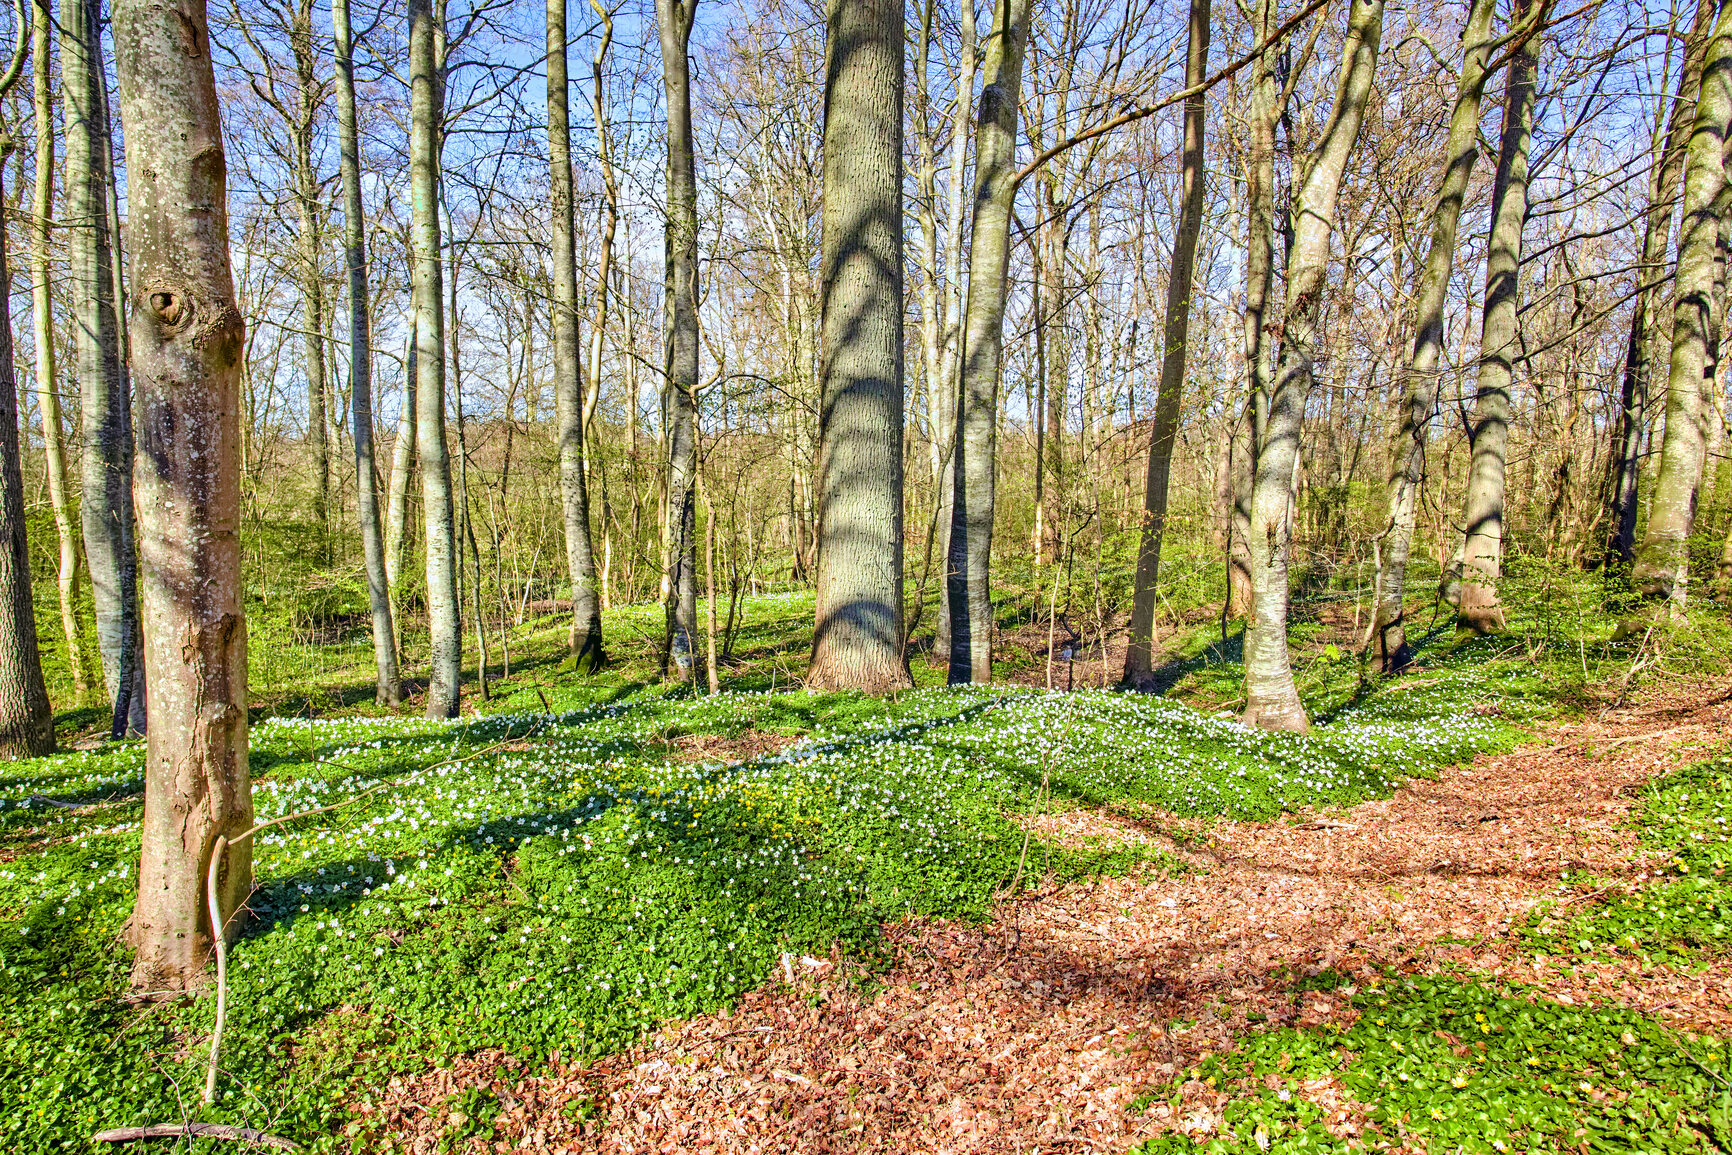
(193, 1130)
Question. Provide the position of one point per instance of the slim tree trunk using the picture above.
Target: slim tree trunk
(1633, 429)
(402, 465)
(1483, 508)
(568, 375)
(1661, 563)
(42, 310)
(187, 342)
(1422, 379)
(444, 613)
(974, 458)
(26, 718)
(679, 396)
(106, 506)
(310, 210)
(858, 640)
(387, 690)
(1139, 651)
(1271, 699)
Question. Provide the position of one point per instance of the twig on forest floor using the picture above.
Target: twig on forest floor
(1609, 741)
(191, 1131)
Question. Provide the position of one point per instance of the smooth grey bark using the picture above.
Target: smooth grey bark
(1631, 435)
(1422, 378)
(857, 643)
(680, 350)
(444, 611)
(974, 457)
(188, 338)
(26, 717)
(1662, 561)
(310, 208)
(42, 316)
(568, 376)
(105, 403)
(1483, 504)
(388, 687)
(1271, 699)
(1164, 433)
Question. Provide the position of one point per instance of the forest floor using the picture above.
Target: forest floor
(1075, 1018)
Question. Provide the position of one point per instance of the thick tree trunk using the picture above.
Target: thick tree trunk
(1630, 436)
(1139, 651)
(679, 395)
(975, 455)
(42, 310)
(1422, 374)
(1661, 562)
(1271, 699)
(858, 640)
(187, 342)
(568, 376)
(1483, 509)
(26, 718)
(387, 689)
(444, 611)
(105, 403)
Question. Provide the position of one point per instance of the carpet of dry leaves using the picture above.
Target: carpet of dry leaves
(1035, 1032)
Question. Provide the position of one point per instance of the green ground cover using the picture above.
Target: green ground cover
(561, 877)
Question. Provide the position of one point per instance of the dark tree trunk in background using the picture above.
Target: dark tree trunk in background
(105, 402)
(975, 455)
(1139, 652)
(187, 340)
(679, 389)
(444, 613)
(568, 377)
(387, 689)
(857, 644)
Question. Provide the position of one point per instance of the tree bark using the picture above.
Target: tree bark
(402, 466)
(1632, 432)
(26, 718)
(1271, 698)
(679, 395)
(1661, 563)
(1422, 378)
(187, 342)
(1139, 651)
(42, 310)
(1483, 508)
(857, 643)
(568, 376)
(105, 403)
(968, 584)
(387, 689)
(444, 611)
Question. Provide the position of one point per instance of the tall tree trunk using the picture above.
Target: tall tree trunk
(187, 341)
(42, 310)
(310, 211)
(858, 639)
(1267, 103)
(973, 502)
(1271, 699)
(1632, 432)
(444, 611)
(26, 717)
(1483, 508)
(1139, 651)
(106, 506)
(1661, 563)
(679, 391)
(568, 376)
(387, 689)
(1422, 375)
(402, 466)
